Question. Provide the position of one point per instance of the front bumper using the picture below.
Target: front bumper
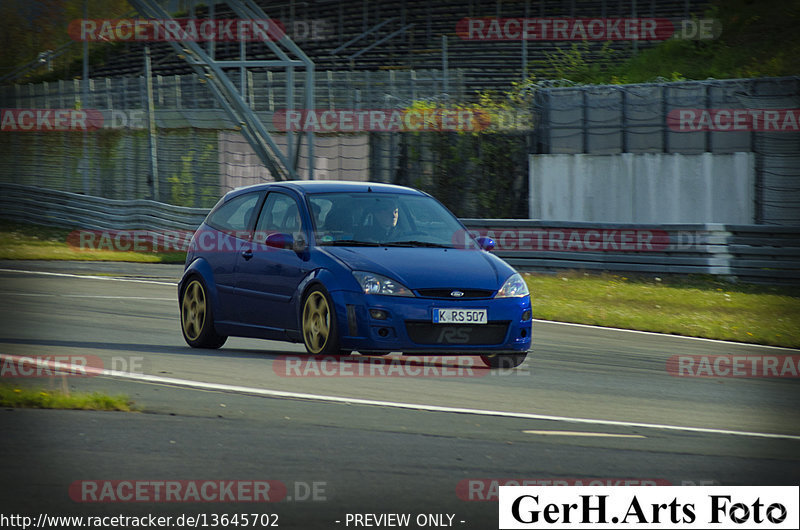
(382, 323)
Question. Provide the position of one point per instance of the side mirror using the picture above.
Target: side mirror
(286, 241)
(486, 243)
(280, 240)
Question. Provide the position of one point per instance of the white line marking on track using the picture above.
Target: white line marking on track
(583, 433)
(656, 334)
(652, 333)
(186, 383)
(88, 277)
(56, 295)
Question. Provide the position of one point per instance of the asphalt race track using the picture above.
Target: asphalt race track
(362, 435)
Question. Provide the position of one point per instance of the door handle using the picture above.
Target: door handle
(247, 253)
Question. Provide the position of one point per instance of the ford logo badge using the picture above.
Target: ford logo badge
(457, 294)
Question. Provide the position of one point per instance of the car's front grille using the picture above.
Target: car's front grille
(467, 294)
(455, 334)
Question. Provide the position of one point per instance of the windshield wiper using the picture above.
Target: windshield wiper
(352, 243)
(415, 243)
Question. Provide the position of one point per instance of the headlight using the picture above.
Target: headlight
(515, 287)
(372, 283)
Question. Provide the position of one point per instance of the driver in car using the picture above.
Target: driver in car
(381, 222)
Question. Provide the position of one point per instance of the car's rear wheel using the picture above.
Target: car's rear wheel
(504, 360)
(319, 323)
(197, 322)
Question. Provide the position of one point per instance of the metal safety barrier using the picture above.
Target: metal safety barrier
(769, 254)
(73, 210)
(755, 253)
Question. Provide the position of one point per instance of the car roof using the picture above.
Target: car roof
(327, 186)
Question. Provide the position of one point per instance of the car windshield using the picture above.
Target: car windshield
(385, 219)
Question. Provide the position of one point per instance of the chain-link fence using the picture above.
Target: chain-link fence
(199, 153)
(195, 152)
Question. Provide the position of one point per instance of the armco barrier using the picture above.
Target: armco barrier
(61, 208)
(748, 252)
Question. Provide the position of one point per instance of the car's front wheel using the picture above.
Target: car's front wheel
(319, 323)
(504, 360)
(197, 322)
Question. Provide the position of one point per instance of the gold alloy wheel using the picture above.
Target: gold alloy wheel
(316, 322)
(193, 310)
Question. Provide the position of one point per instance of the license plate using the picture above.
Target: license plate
(459, 316)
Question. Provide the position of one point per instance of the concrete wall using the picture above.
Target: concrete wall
(643, 188)
(342, 157)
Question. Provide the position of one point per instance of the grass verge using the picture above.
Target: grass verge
(20, 397)
(20, 241)
(692, 306)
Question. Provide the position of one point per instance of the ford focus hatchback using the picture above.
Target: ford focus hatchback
(351, 266)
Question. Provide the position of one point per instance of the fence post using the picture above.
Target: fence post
(250, 91)
(151, 124)
(445, 80)
(624, 97)
(585, 127)
(664, 114)
(329, 77)
(270, 92)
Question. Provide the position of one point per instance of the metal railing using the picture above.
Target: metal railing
(747, 252)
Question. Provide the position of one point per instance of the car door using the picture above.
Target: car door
(232, 223)
(267, 277)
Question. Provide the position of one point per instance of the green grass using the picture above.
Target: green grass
(20, 397)
(34, 242)
(696, 307)
(693, 306)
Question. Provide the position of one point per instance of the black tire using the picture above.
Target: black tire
(504, 360)
(318, 323)
(197, 320)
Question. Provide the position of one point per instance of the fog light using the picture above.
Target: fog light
(523, 333)
(526, 315)
(378, 314)
(383, 332)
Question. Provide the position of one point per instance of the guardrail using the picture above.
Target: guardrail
(748, 252)
(73, 210)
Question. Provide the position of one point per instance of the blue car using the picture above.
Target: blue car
(351, 266)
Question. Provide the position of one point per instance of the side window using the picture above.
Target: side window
(279, 214)
(236, 214)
